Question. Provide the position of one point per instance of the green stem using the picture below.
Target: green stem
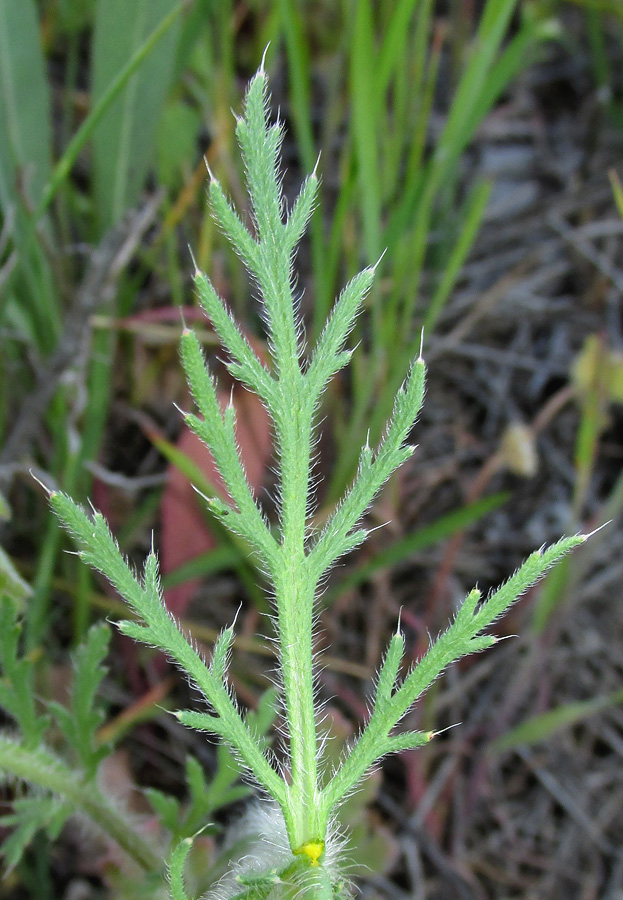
(295, 598)
(42, 769)
(294, 593)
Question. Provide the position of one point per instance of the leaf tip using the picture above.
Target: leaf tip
(378, 262)
(186, 416)
(262, 71)
(192, 256)
(51, 492)
(211, 175)
(584, 537)
(433, 734)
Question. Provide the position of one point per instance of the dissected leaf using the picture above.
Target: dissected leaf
(167, 807)
(30, 815)
(83, 717)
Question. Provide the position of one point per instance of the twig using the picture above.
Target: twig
(107, 262)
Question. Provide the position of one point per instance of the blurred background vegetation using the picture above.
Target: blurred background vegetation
(476, 145)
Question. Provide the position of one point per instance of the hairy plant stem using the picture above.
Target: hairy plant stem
(294, 595)
(41, 768)
(296, 642)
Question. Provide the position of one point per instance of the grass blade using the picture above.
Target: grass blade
(123, 142)
(364, 130)
(540, 728)
(475, 206)
(100, 108)
(25, 130)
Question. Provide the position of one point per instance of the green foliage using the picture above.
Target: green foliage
(12, 585)
(205, 798)
(17, 694)
(401, 196)
(25, 125)
(123, 140)
(175, 143)
(11, 582)
(64, 788)
(43, 769)
(538, 729)
(176, 869)
(30, 815)
(25, 163)
(79, 722)
(294, 558)
(67, 788)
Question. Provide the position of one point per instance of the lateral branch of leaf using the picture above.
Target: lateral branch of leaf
(98, 549)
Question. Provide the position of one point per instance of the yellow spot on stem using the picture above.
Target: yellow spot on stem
(313, 850)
